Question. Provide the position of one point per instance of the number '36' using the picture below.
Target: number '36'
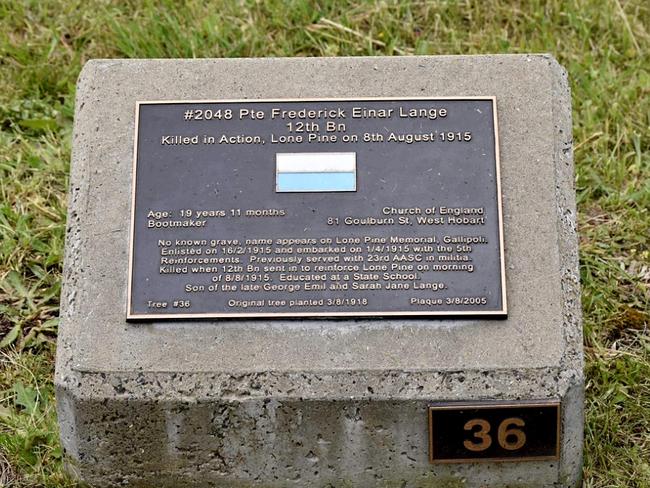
(508, 437)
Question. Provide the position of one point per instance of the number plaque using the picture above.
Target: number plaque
(495, 431)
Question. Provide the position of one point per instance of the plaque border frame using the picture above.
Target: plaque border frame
(492, 405)
(238, 315)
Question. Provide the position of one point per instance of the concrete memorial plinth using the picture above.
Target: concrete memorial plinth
(169, 376)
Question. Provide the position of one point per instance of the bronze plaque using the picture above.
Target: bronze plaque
(305, 208)
(494, 431)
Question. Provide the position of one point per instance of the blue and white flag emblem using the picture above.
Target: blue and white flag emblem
(315, 172)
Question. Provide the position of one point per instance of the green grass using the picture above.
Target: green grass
(604, 44)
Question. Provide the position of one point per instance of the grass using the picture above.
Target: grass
(604, 44)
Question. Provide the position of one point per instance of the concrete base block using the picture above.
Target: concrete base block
(293, 403)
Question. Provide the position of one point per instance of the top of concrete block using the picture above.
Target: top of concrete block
(541, 268)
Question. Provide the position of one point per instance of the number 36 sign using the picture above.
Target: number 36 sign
(494, 431)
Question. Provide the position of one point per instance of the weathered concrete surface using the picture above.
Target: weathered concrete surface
(312, 402)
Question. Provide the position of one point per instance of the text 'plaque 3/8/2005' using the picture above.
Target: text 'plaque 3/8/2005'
(359, 207)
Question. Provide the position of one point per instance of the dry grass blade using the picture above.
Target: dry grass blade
(7, 474)
(628, 27)
(323, 22)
